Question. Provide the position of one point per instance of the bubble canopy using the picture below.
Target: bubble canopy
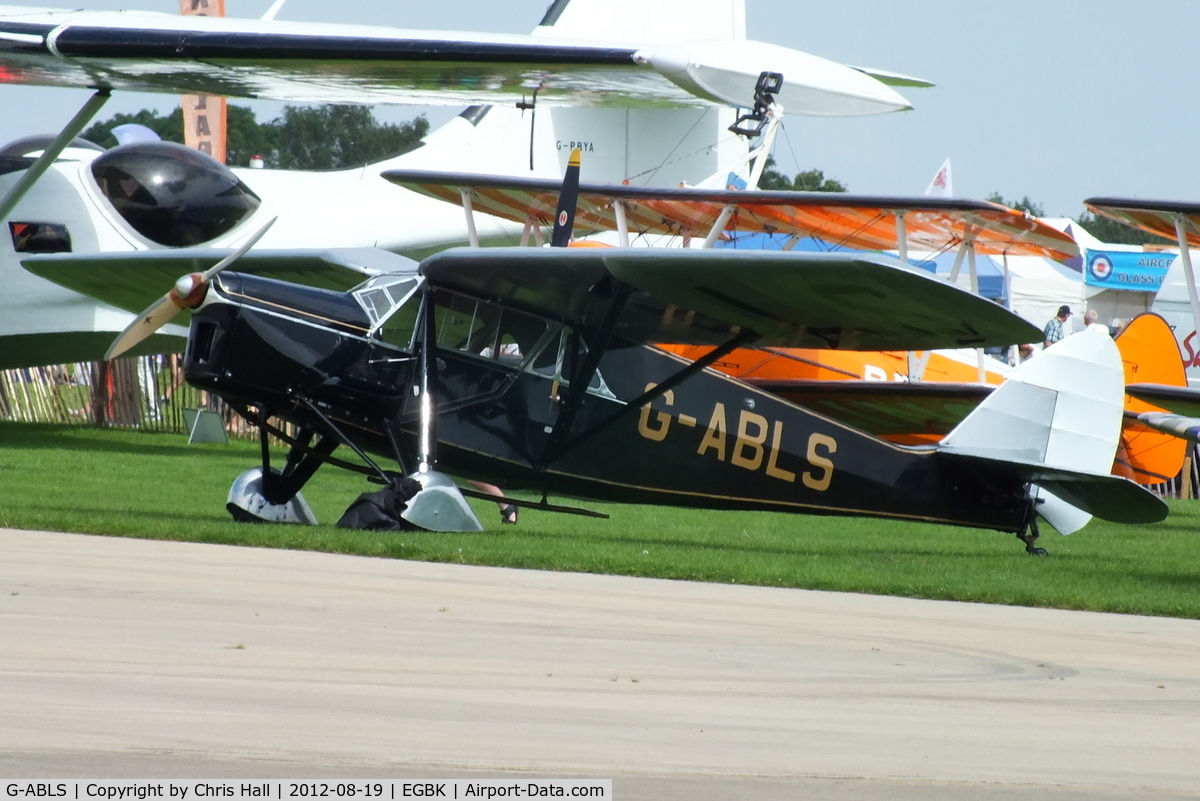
(171, 194)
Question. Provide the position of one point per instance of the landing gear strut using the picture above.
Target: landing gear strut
(267, 495)
(1029, 532)
(1029, 536)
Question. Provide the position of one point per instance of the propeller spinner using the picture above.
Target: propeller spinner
(188, 293)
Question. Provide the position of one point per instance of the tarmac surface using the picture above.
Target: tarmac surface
(135, 659)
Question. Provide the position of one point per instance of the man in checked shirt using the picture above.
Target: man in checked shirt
(1054, 329)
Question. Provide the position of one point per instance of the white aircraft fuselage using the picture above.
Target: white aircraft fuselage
(43, 323)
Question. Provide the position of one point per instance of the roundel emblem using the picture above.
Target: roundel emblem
(562, 218)
(1101, 267)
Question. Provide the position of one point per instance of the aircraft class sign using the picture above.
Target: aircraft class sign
(1131, 271)
(203, 114)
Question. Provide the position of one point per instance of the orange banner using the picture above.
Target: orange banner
(204, 115)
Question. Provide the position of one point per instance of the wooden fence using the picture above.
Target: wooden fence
(143, 392)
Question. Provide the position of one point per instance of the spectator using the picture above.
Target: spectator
(1054, 329)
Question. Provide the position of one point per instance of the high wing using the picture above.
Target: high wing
(865, 222)
(695, 297)
(705, 297)
(133, 281)
(323, 63)
(1153, 216)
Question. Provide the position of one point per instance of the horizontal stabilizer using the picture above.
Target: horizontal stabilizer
(706, 297)
(1108, 497)
(1176, 425)
(134, 280)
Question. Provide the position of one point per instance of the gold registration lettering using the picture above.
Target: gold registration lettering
(663, 420)
(714, 436)
(820, 481)
(773, 468)
(746, 442)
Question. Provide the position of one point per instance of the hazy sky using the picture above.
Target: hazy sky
(1059, 100)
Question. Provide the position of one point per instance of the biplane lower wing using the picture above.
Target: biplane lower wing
(324, 63)
(1182, 401)
(133, 281)
(706, 297)
(895, 410)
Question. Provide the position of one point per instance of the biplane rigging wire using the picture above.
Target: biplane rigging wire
(682, 139)
(668, 160)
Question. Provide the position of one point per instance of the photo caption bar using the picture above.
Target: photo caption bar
(486, 789)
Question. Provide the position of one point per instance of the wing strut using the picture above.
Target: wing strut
(767, 114)
(743, 339)
(60, 143)
(967, 246)
(581, 378)
(468, 208)
(622, 223)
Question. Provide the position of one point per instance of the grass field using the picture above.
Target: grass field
(136, 484)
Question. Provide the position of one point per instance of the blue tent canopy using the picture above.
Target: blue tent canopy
(991, 272)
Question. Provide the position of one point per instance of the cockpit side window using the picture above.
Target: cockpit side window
(487, 330)
(559, 358)
(392, 305)
(39, 237)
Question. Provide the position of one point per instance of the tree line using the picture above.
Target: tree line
(303, 138)
(339, 137)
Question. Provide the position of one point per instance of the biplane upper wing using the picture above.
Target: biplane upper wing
(706, 297)
(863, 222)
(133, 281)
(1153, 216)
(324, 63)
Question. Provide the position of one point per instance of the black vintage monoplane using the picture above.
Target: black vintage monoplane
(537, 368)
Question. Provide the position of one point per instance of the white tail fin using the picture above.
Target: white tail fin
(1062, 409)
(648, 146)
(942, 184)
(644, 20)
(651, 147)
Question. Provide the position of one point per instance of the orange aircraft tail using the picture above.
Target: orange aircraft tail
(1151, 356)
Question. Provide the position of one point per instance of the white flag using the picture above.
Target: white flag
(941, 185)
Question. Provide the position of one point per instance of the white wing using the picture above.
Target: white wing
(318, 62)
